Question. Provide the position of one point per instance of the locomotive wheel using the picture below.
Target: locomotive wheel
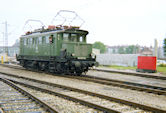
(59, 68)
(78, 73)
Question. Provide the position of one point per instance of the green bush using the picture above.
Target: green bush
(162, 65)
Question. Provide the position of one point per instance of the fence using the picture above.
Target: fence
(117, 59)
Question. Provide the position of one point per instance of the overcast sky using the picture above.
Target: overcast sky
(113, 22)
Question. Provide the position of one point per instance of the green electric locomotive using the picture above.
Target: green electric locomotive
(57, 49)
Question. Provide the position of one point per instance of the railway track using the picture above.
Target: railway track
(14, 99)
(133, 74)
(123, 84)
(112, 82)
(111, 71)
(97, 101)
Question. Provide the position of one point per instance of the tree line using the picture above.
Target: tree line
(121, 50)
(164, 47)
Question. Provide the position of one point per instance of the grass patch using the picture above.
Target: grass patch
(121, 67)
(160, 69)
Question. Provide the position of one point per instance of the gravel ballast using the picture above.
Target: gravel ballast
(158, 101)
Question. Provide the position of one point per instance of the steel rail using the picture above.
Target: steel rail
(133, 74)
(144, 107)
(70, 98)
(124, 84)
(103, 70)
(43, 104)
(111, 71)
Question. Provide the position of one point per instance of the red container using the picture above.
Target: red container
(146, 64)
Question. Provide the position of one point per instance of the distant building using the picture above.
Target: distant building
(115, 49)
(12, 50)
(146, 51)
(130, 49)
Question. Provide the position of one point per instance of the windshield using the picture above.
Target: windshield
(74, 37)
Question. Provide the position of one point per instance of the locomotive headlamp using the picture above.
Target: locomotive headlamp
(92, 55)
(77, 64)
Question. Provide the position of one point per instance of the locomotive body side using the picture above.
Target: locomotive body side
(60, 51)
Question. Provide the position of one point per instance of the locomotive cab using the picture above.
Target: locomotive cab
(75, 48)
(75, 44)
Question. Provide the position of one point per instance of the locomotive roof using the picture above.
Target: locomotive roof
(42, 31)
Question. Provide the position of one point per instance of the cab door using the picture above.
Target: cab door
(59, 43)
(52, 40)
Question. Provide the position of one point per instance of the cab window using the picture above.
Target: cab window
(82, 38)
(25, 41)
(47, 39)
(33, 41)
(65, 37)
(43, 39)
(30, 41)
(74, 38)
(51, 39)
(40, 40)
(37, 40)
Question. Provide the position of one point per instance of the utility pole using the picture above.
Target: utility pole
(155, 51)
(5, 41)
(6, 38)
